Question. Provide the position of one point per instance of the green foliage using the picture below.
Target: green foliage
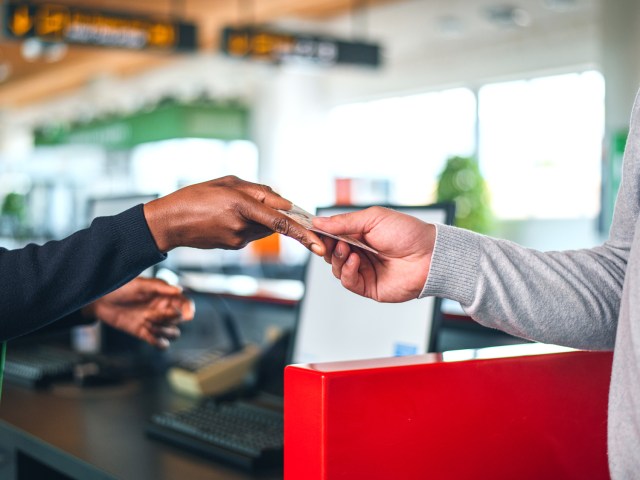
(14, 205)
(462, 183)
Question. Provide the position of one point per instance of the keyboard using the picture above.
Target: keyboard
(38, 367)
(196, 359)
(238, 432)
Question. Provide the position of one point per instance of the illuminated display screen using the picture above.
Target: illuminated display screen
(277, 47)
(63, 23)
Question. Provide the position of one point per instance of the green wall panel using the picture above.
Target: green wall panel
(223, 122)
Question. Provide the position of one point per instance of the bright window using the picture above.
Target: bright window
(405, 140)
(541, 144)
(162, 167)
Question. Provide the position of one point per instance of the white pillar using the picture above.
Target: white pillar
(620, 61)
(288, 118)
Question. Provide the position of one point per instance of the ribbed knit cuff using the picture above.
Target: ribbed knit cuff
(137, 245)
(454, 265)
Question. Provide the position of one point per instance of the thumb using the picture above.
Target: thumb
(156, 286)
(185, 306)
(359, 222)
(284, 225)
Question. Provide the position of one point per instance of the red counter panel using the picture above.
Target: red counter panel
(533, 417)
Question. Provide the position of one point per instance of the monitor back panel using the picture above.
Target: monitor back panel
(336, 324)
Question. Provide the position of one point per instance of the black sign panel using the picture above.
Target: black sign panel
(277, 47)
(69, 24)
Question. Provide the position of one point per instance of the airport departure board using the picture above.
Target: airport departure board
(53, 22)
(276, 47)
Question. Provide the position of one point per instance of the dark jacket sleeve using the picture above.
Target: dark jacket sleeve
(42, 284)
(75, 319)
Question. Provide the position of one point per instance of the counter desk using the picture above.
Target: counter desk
(70, 432)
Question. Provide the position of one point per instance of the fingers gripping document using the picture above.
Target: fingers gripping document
(305, 218)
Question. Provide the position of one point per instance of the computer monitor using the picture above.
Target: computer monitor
(335, 324)
(112, 205)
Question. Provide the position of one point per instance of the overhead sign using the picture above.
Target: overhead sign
(64, 23)
(277, 47)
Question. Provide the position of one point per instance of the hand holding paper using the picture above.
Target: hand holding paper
(404, 246)
(305, 219)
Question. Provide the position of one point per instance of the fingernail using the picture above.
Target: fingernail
(163, 343)
(315, 248)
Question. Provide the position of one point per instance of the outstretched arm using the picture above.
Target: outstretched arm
(570, 298)
(41, 284)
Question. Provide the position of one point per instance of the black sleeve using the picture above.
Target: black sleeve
(42, 284)
(74, 319)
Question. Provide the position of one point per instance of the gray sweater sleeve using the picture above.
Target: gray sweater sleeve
(569, 298)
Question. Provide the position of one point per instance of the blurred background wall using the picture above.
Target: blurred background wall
(537, 92)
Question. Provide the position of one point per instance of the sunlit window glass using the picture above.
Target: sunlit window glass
(162, 167)
(540, 145)
(403, 139)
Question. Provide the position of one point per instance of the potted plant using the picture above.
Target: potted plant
(13, 214)
(461, 182)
